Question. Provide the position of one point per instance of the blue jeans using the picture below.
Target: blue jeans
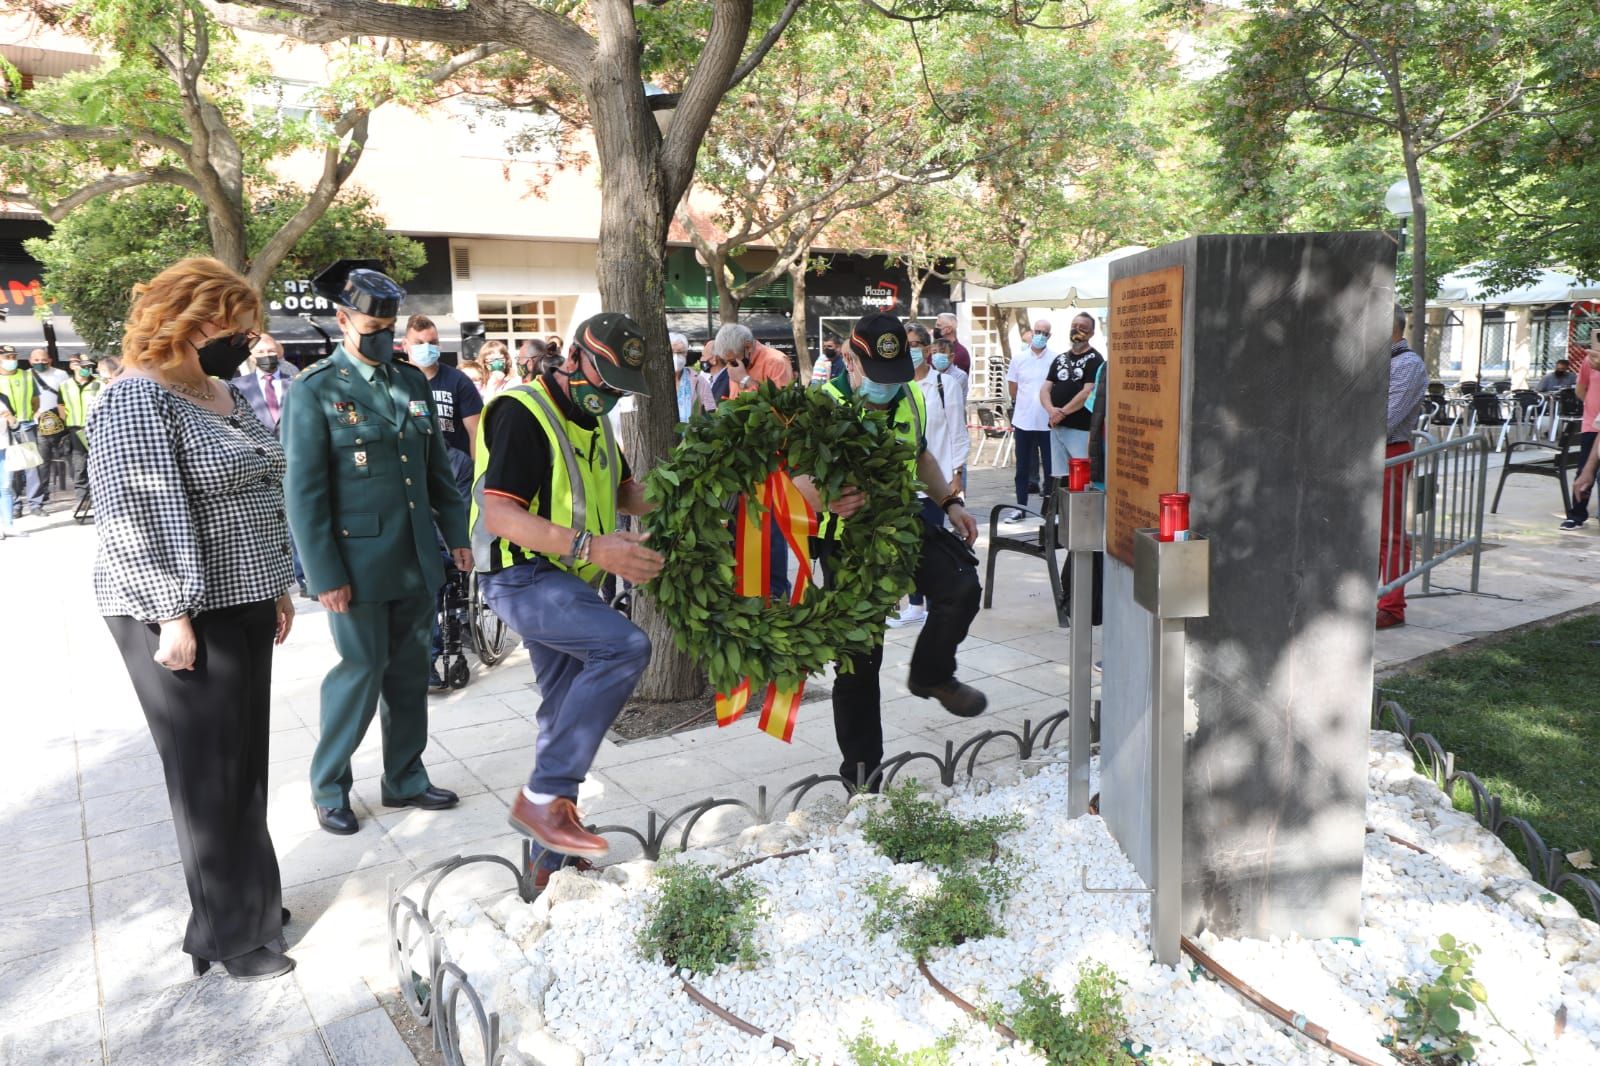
(1033, 462)
(7, 500)
(587, 658)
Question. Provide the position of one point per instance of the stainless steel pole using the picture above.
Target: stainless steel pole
(1085, 514)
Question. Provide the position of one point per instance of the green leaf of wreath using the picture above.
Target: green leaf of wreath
(731, 452)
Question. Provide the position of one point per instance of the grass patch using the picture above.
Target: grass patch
(1522, 713)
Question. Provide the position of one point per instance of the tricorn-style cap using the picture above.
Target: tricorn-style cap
(879, 341)
(617, 344)
(358, 285)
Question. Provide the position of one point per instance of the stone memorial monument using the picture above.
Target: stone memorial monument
(1251, 372)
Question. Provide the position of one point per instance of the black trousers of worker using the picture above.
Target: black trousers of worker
(211, 726)
(947, 576)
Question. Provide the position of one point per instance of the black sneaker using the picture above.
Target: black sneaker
(959, 699)
(1573, 523)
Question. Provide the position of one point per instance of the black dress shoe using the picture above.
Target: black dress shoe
(257, 965)
(429, 799)
(341, 820)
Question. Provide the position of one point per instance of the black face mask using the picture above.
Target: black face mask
(267, 364)
(220, 356)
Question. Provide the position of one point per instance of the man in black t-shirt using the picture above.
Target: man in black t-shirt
(1068, 385)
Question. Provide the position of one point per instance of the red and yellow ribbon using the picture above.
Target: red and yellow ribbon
(752, 576)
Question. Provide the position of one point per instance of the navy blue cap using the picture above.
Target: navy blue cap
(358, 285)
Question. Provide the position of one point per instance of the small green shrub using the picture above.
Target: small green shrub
(908, 828)
(1089, 1035)
(698, 922)
(1430, 1026)
(965, 905)
(868, 1052)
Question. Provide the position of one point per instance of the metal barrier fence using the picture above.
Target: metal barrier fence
(1441, 496)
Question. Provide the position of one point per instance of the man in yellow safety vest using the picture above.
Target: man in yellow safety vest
(548, 481)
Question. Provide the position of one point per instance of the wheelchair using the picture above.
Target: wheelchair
(466, 617)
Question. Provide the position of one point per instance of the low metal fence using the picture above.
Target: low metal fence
(1439, 494)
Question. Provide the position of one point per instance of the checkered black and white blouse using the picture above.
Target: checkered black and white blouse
(188, 504)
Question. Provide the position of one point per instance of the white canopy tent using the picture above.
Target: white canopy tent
(1552, 286)
(1085, 284)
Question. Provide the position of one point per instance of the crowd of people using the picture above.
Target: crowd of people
(359, 479)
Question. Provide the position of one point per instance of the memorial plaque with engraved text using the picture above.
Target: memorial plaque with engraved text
(1146, 393)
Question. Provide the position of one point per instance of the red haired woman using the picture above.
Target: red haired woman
(192, 575)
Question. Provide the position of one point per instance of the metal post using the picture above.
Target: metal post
(1171, 580)
(1085, 521)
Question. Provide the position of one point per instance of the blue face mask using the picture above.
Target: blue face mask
(877, 392)
(941, 362)
(916, 357)
(424, 354)
(1038, 342)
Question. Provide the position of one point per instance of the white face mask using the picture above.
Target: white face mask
(8, 365)
(679, 361)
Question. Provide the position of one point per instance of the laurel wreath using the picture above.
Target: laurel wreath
(732, 451)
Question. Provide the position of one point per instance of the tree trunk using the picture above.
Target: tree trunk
(1419, 258)
(632, 276)
(727, 302)
(228, 243)
(797, 320)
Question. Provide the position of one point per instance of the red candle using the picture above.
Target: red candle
(1077, 475)
(1174, 516)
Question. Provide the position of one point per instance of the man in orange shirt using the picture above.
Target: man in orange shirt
(749, 364)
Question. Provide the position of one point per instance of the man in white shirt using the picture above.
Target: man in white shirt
(265, 380)
(1030, 424)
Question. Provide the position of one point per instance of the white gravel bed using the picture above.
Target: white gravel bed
(571, 988)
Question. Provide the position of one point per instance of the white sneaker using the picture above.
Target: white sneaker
(913, 614)
(1011, 514)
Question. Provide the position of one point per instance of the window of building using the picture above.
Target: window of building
(514, 319)
(1492, 362)
(988, 379)
(291, 101)
(1444, 345)
(487, 130)
(1549, 337)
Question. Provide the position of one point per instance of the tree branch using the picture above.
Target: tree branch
(62, 131)
(730, 27)
(60, 209)
(763, 46)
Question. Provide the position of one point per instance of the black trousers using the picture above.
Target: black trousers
(211, 726)
(947, 576)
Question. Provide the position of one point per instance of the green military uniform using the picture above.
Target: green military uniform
(368, 478)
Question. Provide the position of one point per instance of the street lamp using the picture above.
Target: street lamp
(1398, 203)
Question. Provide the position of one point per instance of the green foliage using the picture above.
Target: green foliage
(698, 921)
(94, 257)
(1430, 1025)
(908, 828)
(866, 1051)
(736, 637)
(1511, 711)
(1088, 1035)
(964, 905)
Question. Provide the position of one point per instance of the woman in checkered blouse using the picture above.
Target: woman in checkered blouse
(192, 576)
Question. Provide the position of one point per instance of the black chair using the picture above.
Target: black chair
(1435, 388)
(1555, 460)
(1467, 388)
(995, 428)
(1040, 543)
(1502, 387)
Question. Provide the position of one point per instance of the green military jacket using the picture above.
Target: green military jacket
(367, 481)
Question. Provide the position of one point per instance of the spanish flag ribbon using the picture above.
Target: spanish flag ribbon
(752, 566)
(733, 704)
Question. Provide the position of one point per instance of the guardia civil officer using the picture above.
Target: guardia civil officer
(368, 477)
(548, 482)
(879, 370)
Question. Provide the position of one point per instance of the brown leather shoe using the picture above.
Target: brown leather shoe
(555, 826)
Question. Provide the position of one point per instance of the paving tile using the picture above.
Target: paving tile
(42, 924)
(209, 1020)
(301, 1049)
(318, 855)
(345, 916)
(482, 739)
(366, 795)
(139, 928)
(470, 707)
(416, 832)
(502, 769)
(127, 810)
(333, 989)
(107, 778)
(368, 1039)
(998, 660)
(650, 780)
(294, 743)
(56, 984)
(43, 872)
(615, 752)
(29, 828)
(69, 1041)
(145, 847)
